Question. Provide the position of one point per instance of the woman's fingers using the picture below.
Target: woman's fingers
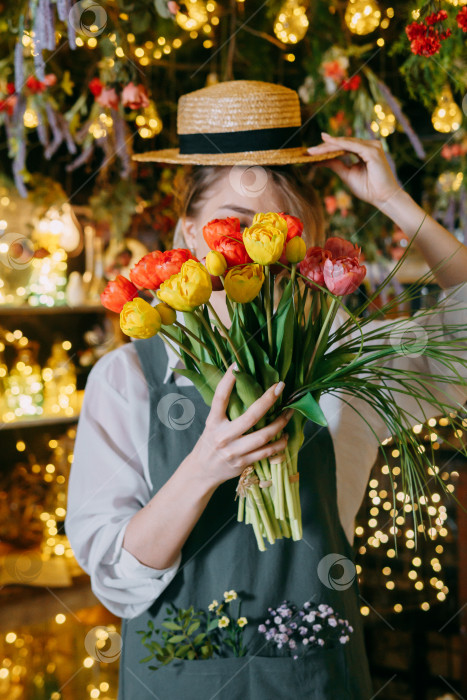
(268, 450)
(221, 396)
(258, 438)
(363, 148)
(256, 411)
(336, 166)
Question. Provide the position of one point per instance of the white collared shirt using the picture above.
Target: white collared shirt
(110, 479)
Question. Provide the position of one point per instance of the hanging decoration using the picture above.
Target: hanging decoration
(148, 122)
(384, 121)
(447, 116)
(362, 16)
(291, 23)
(195, 16)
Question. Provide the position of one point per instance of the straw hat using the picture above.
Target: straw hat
(238, 122)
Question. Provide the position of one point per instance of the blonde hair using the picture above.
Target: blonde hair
(301, 199)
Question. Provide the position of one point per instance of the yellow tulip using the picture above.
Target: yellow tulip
(188, 289)
(243, 282)
(167, 314)
(295, 249)
(274, 219)
(264, 243)
(216, 264)
(138, 319)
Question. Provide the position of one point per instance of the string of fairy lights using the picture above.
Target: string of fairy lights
(200, 22)
(435, 538)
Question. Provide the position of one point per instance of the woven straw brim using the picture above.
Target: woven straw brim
(283, 156)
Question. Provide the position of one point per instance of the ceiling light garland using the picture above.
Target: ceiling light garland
(291, 23)
(362, 16)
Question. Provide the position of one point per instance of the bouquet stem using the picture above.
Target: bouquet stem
(269, 499)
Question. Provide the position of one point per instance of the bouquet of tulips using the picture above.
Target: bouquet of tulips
(282, 299)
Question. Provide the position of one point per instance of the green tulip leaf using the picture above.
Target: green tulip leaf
(310, 408)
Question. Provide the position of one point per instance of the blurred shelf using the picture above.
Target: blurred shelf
(25, 605)
(49, 310)
(39, 422)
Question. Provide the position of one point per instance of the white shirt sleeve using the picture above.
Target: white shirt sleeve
(109, 483)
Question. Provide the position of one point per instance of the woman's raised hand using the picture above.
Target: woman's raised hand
(223, 450)
(371, 179)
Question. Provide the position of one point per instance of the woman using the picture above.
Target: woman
(151, 513)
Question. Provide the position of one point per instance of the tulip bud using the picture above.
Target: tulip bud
(295, 250)
(216, 263)
(216, 281)
(167, 314)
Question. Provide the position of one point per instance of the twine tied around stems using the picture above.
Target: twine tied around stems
(247, 479)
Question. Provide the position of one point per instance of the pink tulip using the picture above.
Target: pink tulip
(312, 265)
(135, 96)
(341, 248)
(343, 275)
(173, 7)
(108, 98)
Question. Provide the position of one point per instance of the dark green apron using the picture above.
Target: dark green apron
(221, 554)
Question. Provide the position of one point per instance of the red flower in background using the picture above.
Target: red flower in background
(156, 267)
(8, 104)
(135, 96)
(10, 88)
(424, 39)
(50, 80)
(436, 17)
(34, 85)
(108, 98)
(461, 19)
(96, 87)
(117, 293)
(352, 83)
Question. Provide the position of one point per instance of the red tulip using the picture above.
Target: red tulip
(221, 228)
(233, 251)
(312, 265)
(156, 267)
(117, 293)
(343, 275)
(341, 248)
(294, 225)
